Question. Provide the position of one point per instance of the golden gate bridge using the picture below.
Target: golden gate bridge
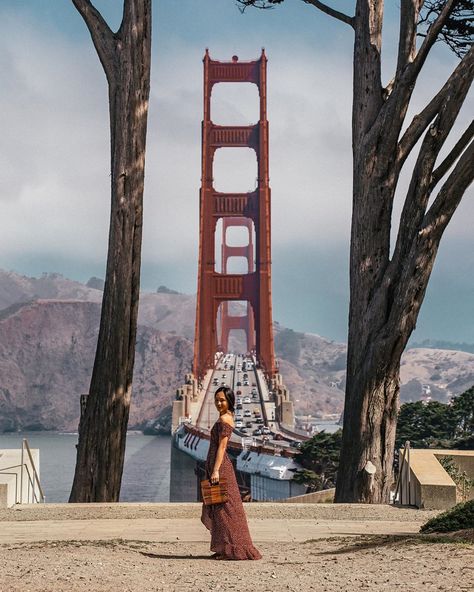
(264, 443)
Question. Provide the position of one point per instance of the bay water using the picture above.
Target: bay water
(146, 475)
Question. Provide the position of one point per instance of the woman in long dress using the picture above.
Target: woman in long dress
(230, 536)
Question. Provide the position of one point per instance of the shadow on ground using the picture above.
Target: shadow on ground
(367, 542)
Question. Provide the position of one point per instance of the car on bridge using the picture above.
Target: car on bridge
(257, 432)
(247, 400)
(247, 413)
(239, 424)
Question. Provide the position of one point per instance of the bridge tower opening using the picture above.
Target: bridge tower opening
(250, 210)
(246, 322)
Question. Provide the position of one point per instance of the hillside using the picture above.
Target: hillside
(48, 332)
(46, 355)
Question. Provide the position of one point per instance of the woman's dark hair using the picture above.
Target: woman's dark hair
(229, 395)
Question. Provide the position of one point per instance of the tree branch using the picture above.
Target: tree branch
(449, 197)
(421, 185)
(102, 36)
(409, 12)
(429, 40)
(420, 122)
(451, 158)
(269, 4)
(340, 16)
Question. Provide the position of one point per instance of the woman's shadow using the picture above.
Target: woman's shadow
(162, 556)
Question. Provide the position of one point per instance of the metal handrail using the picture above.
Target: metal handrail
(401, 464)
(31, 480)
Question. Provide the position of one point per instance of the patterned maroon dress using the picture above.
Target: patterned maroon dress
(230, 536)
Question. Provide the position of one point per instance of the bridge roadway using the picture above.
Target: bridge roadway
(255, 408)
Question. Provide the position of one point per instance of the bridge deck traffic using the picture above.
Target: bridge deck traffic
(255, 409)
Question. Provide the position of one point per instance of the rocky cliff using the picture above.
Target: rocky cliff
(47, 351)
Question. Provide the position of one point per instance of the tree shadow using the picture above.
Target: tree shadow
(371, 542)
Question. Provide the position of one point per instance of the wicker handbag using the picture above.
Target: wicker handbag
(214, 494)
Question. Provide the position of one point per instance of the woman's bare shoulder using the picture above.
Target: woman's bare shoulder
(228, 420)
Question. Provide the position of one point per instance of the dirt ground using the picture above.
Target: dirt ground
(337, 564)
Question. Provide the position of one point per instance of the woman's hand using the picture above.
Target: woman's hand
(214, 477)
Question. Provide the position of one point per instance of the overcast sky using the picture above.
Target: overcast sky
(54, 152)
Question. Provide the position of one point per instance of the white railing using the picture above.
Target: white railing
(402, 494)
(27, 483)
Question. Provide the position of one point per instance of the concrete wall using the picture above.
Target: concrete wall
(425, 484)
(287, 413)
(464, 462)
(325, 496)
(7, 491)
(178, 412)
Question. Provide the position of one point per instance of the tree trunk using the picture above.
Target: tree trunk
(126, 57)
(386, 292)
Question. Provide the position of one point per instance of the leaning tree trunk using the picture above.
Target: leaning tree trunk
(125, 57)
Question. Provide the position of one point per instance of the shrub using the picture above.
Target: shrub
(458, 518)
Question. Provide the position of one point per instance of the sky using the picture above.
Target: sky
(54, 152)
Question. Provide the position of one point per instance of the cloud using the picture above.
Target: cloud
(54, 148)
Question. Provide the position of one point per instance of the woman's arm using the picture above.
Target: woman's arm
(219, 458)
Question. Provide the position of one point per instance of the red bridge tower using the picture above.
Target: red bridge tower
(236, 209)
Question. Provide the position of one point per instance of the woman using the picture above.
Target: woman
(230, 536)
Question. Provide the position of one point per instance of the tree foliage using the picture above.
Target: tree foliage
(320, 457)
(437, 425)
(458, 30)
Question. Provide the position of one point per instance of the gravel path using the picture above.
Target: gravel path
(331, 565)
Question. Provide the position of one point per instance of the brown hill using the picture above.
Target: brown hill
(48, 333)
(46, 355)
(16, 288)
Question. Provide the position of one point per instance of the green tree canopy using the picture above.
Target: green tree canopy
(320, 458)
(437, 425)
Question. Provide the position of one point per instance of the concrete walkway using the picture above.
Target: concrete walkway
(191, 530)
